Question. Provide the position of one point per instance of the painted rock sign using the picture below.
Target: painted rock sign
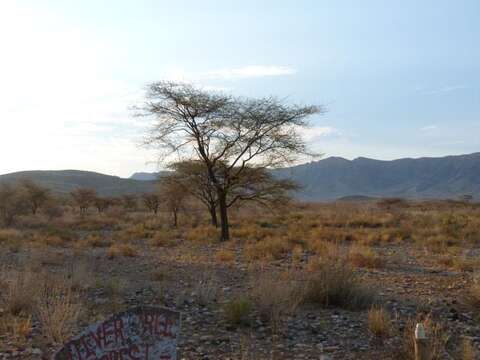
(142, 333)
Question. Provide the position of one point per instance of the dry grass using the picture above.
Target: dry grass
(22, 288)
(97, 241)
(437, 340)
(472, 296)
(362, 256)
(334, 283)
(133, 233)
(270, 248)
(125, 250)
(19, 328)
(225, 255)
(203, 234)
(237, 311)
(164, 239)
(379, 322)
(468, 350)
(57, 310)
(277, 295)
(9, 235)
(206, 288)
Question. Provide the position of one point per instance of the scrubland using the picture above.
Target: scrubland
(339, 280)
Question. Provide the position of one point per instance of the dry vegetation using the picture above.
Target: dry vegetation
(340, 272)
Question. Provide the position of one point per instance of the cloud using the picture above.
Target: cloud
(246, 72)
(254, 71)
(314, 133)
(443, 89)
(429, 128)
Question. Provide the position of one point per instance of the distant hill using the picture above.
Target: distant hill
(65, 181)
(146, 176)
(325, 180)
(356, 198)
(423, 178)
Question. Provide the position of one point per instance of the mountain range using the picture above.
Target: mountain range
(64, 181)
(324, 180)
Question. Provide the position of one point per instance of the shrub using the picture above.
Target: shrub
(237, 311)
(57, 310)
(468, 350)
(9, 235)
(164, 239)
(17, 327)
(13, 203)
(473, 295)
(362, 256)
(97, 240)
(225, 255)
(276, 295)
(379, 322)
(121, 250)
(335, 284)
(21, 290)
(206, 288)
(270, 248)
(203, 234)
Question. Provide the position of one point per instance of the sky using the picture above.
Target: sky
(399, 78)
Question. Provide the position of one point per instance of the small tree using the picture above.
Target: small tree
(83, 198)
(193, 177)
(225, 133)
(173, 194)
(13, 203)
(151, 202)
(102, 204)
(35, 194)
(52, 208)
(129, 202)
(260, 186)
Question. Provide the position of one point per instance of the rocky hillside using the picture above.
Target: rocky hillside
(334, 177)
(65, 181)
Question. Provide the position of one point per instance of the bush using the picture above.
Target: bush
(473, 295)
(164, 239)
(276, 295)
(57, 310)
(97, 241)
(203, 234)
(117, 250)
(237, 311)
(21, 290)
(362, 256)
(225, 255)
(379, 322)
(9, 235)
(335, 284)
(270, 248)
(13, 203)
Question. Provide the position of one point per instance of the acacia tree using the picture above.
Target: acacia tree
(84, 198)
(36, 195)
(225, 133)
(173, 194)
(102, 203)
(129, 202)
(254, 184)
(193, 178)
(151, 202)
(13, 203)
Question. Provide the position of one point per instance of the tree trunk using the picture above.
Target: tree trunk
(222, 202)
(213, 215)
(175, 218)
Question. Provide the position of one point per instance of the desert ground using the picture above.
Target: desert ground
(343, 280)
